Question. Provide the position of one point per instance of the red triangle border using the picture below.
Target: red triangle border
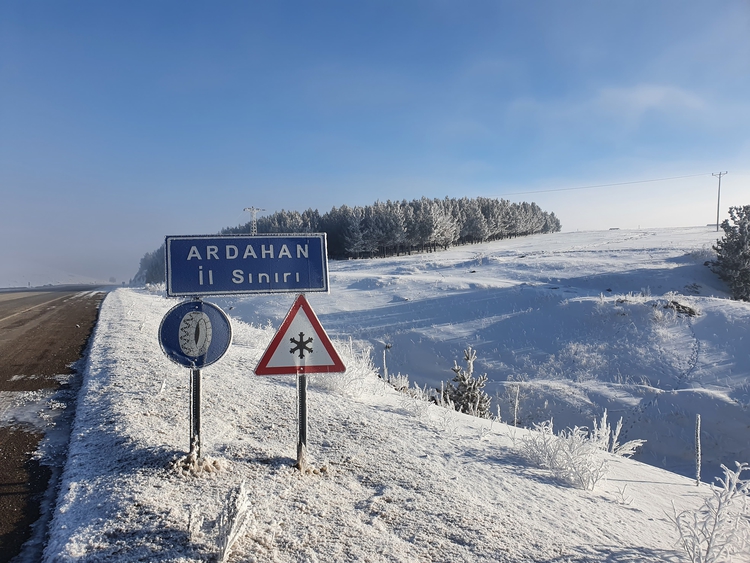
(300, 303)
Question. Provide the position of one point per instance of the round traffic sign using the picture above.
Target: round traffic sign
(195, 333)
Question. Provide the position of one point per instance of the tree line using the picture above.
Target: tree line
(421, 225)
(393, 228)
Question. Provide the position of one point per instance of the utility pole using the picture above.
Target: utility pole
(718, 204)
(254, 211)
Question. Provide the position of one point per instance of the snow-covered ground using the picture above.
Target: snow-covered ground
(578, 318)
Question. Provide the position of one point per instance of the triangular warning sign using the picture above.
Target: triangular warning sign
(300, 346)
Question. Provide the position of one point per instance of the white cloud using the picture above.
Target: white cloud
(633, 102)
(622, 105)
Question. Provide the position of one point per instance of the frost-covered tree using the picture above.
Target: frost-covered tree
(411, 227)
(353, 242)
(732, 262)
(445, 227)
(390, 221)
(466, 392)
(152, 268)
(474, 225)
(334, 224)
(371, 228)
(551, 223)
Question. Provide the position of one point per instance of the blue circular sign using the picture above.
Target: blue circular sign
(195, 334)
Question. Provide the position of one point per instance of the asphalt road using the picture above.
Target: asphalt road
(43, 332)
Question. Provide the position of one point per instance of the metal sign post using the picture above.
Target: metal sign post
(195, 412)
(195, 334)
(308, 354)
(302, 420)
(301, 345)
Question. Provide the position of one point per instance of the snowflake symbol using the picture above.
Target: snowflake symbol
(301, 345)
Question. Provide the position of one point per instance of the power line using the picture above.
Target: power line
(608, 185)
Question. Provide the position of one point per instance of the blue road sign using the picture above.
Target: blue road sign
(195, 334)
(235, 264)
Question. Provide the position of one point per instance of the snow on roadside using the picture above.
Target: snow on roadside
(397, 480)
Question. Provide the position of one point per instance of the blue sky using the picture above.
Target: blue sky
(122, 122)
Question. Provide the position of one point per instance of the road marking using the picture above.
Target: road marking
(32, 308)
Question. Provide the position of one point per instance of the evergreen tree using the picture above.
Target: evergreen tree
(353, 241)
(474, 225)
(466, 391)
(732, 263)
(152, 267)
(445, 227)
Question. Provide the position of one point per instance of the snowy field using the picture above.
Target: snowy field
(577, 320)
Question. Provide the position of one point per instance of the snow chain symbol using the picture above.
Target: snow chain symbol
(195, 333)
(301, 345)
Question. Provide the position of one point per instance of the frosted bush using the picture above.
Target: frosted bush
(416, 401)
(540, 447)
(232, 521)
(448, 420)
(703, 254)
(360, 377)
(399, 382)
(606, 439)
(579, 462)
(718, 531)
(572, 456)
(658, 317)
(622, 498)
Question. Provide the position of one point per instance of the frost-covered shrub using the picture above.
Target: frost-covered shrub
(447, 420)
(232, 521)
(540, 447)
(703, 254)
(606, 439)
(574, 456)
(360, 377)
(579, 461)
(416, 400)
(399, 382)
(465, 391)
(732, 262)
(718, 531)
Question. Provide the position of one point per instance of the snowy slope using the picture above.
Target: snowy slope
(580, 318)
(402, 480)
